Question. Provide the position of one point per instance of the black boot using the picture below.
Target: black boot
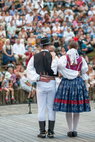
(51, 129)
(42, 129)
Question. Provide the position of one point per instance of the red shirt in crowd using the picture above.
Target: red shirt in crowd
(79, 3)
(29, 55)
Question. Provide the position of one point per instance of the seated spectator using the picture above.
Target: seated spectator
(70, 16)
(79, 3)
(1, 79)
(8, 4)
(23, 33)
(11, 30)
(56, 41)
(2, 32)
(50, 4)
(19, 51)
(46, 30)
(91, 76)
(2, 3)
(32, 40)
(68, 35)
(93, 62)
(13, 76)
(7, 86)
(88, 42)
(26, 85)
(8, 56)
(12, 11)
(1, 43)
(63, 52)
(8, 17)
(56, 29)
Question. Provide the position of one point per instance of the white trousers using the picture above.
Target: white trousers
(45, 99)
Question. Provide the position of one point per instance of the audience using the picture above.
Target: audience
(24, 22)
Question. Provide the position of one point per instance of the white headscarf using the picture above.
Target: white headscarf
(73, 55)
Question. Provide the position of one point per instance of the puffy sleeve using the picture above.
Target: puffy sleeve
(31, 72)
(84, 69)
(67, 73)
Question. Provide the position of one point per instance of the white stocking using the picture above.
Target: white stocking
(69, 119)
(75, 121)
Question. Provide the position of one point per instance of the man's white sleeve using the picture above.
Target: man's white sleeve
(31, 72)
(84, 69)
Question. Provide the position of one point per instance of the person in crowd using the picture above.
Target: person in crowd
(7, 86)
(2, 31)
(19, 51)
(26, 84)
(91, 73)
(11, 30)
(1, 79)
(8, 56)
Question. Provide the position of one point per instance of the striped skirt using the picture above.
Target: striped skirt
(72, 96)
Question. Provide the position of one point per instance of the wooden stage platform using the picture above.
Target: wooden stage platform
(18, 126)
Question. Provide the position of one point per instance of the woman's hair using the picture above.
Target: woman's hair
(73, 44)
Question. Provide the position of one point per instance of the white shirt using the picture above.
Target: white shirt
(56, 29)
(68, 35)
(18, 49)
(70, 17)
(8, 18)
(29, 18)
(46, 30)
(18, 22)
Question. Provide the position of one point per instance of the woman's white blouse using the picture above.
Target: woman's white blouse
(67, 73)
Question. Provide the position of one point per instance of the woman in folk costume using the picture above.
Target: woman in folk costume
(72, 95)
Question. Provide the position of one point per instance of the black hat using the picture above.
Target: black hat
(45, 41)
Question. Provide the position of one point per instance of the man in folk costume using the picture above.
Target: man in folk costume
(42, 68)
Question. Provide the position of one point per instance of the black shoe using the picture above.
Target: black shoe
(70, 134)
(50, 135)
(74, 133)
(42, 135)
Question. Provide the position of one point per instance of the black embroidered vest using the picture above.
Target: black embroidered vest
(42, 63)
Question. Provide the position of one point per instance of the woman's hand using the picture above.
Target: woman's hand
(79, 73)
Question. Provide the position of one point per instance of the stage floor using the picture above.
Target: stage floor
(16, 125)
